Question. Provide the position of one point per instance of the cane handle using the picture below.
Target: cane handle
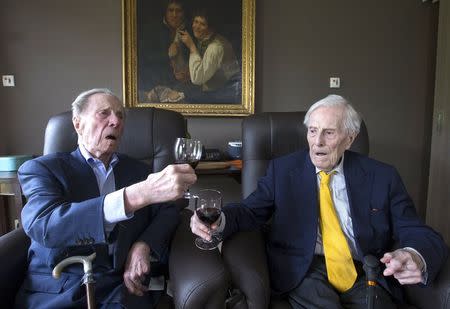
(85, 260)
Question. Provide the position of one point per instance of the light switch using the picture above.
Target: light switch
(8, 80)
(335, 82)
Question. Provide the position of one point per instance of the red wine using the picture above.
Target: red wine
(209, 215)
(192, 163)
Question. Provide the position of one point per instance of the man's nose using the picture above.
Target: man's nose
(114, 120)
(319, 139)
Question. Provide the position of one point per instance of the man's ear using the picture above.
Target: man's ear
(76, 123)
(351, 138)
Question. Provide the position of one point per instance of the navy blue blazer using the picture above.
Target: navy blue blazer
(382, 213)
(63, 217)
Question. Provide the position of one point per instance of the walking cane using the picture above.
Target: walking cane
(371, 267)
(88, 278)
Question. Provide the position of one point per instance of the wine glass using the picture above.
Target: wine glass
(188, 151)
(208, 207)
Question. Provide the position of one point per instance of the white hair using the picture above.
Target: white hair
(352, 119)
(80, 102)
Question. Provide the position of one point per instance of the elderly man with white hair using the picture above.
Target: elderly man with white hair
(96, 200)
(329, 208)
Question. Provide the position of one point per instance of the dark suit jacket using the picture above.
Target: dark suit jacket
(64, 217)
(381, 210)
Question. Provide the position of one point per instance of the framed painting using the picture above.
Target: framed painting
(196, 57)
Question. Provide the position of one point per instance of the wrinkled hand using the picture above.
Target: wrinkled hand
(167, 185)
(405, 266)
(171, 183)
(201, 229)
(136, 268)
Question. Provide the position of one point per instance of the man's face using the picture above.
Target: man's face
(100, 126)
(174, 15)
(327, 137)
(200, 28)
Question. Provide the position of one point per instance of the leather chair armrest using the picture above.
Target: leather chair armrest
(434, 296)
(198, 278)
(13, 264)
(245, 257)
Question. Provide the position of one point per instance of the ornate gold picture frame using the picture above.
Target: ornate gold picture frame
(216, 76)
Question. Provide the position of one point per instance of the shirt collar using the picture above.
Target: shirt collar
(339, 169)
(93, 161)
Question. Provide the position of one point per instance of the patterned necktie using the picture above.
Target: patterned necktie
(338, 259)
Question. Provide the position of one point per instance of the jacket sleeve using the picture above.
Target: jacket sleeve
(256, 209)
(51, 216)
(411, 231)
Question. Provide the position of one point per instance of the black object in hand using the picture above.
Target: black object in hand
(372, 268)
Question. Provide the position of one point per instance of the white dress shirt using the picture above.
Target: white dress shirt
(114, 204)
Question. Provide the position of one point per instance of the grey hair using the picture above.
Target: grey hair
(79, 104)
(352, 119)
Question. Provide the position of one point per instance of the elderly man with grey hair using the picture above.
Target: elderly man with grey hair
(97, 200)
(330, 207)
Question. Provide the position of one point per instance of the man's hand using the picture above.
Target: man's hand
(406, 266)
(167, 185)
(170, 184)
(187, 40)
(201, 229)
(136, 268)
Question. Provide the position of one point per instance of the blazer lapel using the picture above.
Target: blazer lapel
(359, 192)
(304, 184)
(81, 174)
(124, 176)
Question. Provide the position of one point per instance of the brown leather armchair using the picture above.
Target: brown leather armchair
(266, 136)
(149, 135)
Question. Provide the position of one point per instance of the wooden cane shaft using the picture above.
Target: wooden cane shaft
(90, 295)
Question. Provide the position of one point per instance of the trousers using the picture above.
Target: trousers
(316, 292)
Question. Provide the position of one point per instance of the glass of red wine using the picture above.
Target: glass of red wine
(208, 207)
(188, 151)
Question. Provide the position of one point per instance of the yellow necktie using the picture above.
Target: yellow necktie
(338, 259)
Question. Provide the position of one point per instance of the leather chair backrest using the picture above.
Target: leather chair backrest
(149, 135)
(269, 135)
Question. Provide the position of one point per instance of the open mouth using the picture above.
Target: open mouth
(320, 154)
(111, 137)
